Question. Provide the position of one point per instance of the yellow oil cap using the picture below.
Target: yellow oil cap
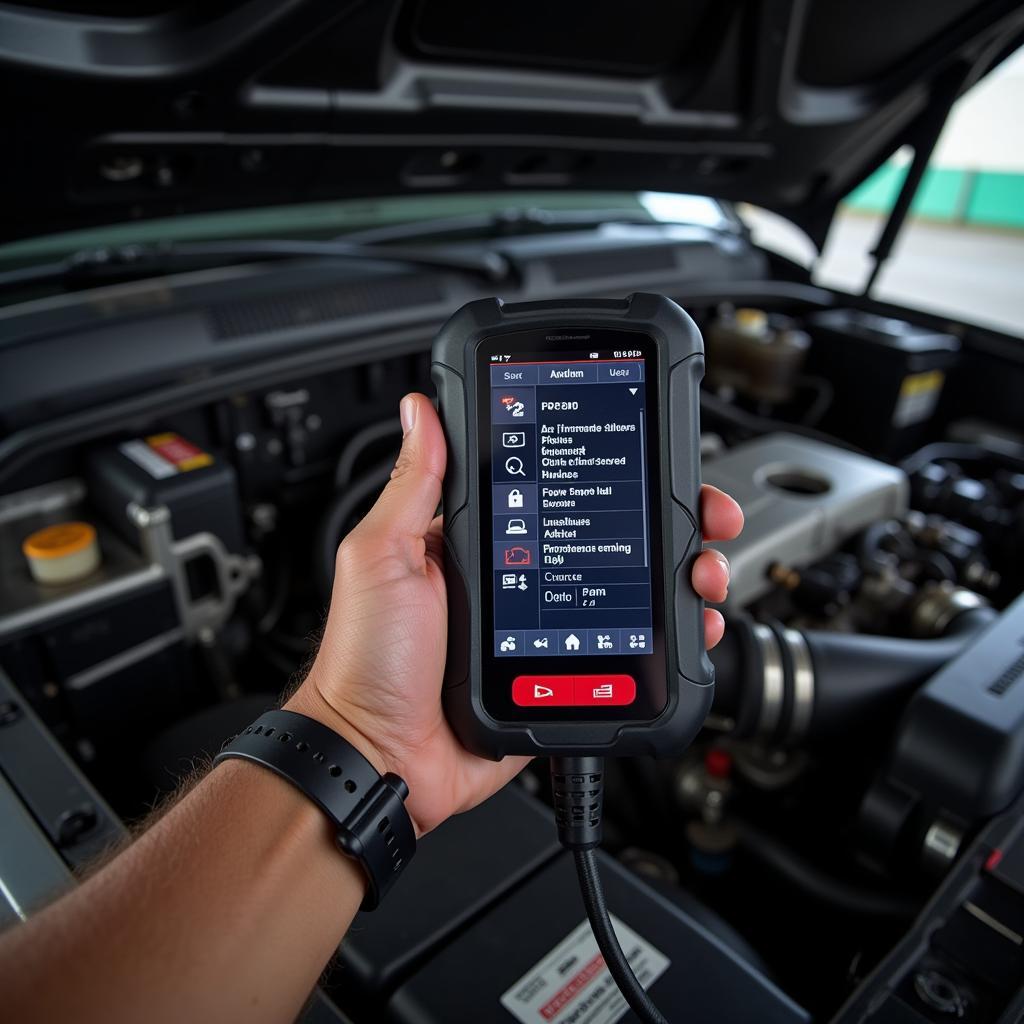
(62, 553)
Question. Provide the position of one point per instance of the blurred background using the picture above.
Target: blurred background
(961, 252)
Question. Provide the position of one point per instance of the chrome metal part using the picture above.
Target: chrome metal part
(774, 680)
(941, 844)
(803, 685)
(939, 604)
(233, 573)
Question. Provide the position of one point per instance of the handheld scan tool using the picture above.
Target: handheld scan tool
(571, 504)
(571, 521)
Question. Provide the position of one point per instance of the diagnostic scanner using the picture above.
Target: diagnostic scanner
(571, 505)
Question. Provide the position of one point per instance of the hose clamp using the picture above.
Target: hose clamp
(773, 681)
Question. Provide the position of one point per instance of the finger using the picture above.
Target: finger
(710, 575)
(721, 517)
(407, 504)
(714, 627)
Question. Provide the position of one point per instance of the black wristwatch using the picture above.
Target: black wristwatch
(366, 808)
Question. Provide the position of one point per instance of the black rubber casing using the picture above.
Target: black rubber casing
(690, 673)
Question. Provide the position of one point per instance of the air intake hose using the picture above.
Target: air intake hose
(786, 686)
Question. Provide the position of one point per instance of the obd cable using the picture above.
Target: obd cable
(577, 790)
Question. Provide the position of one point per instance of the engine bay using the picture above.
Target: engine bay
(221, 431)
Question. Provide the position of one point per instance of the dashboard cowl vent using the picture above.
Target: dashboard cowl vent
(616, 263)
(232, 320)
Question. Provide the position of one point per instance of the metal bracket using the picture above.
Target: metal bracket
(203, 616)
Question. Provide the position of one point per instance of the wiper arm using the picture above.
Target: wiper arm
(510, 221)
(87, 266)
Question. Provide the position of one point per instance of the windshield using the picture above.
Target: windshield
(330, 219)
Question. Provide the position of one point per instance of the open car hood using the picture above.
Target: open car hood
(186, 107)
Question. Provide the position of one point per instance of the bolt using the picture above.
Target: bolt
(936, 991)
(263, 516)
(75, 824)
(10, 712)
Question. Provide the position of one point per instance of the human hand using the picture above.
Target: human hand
(377, 677)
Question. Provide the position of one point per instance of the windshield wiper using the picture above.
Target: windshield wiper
(90, 266)
(510, 221)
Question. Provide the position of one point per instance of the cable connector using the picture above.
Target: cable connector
(577, 790)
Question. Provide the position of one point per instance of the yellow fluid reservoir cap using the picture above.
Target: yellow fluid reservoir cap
(751, 321)
(62, 553)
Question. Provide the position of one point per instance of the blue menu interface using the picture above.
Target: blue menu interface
(570, 523)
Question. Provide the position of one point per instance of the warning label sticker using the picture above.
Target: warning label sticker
(164, 455)
(918, 397)
(571, 985)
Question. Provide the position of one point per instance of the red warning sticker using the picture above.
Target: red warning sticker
(571, 985)
(164, 455)
(182, 454)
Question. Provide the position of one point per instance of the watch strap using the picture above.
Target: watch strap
(366, 808)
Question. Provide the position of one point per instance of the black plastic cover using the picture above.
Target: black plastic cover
(705, 981)
(459, 871)
(960, 747)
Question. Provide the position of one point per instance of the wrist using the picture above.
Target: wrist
(365, 810)
(309, 700)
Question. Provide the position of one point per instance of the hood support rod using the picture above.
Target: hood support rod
(929, 129)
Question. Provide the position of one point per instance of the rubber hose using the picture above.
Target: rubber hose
(810, 879)
(857, 679)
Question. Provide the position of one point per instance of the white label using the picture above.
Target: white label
(918, 397)
(142, 455)
(571, 985)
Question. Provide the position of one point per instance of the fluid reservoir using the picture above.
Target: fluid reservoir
(754, 354)
(62, 553)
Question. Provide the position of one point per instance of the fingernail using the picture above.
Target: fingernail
(407, 414)
(724, 563)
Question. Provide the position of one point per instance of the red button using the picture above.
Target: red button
(542, 691)
(613, 691)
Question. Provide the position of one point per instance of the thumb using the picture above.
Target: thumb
(408, 504)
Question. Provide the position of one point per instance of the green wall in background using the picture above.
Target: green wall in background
(877, 193)
(947, 194)
(997, 199)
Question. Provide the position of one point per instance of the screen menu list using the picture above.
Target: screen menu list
(571, 539)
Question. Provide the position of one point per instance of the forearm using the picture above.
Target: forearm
(227, 908)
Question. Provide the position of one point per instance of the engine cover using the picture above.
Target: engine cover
(802, 499)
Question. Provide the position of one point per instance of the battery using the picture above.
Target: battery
(533, 960)
(887, 377)
(197, 487)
